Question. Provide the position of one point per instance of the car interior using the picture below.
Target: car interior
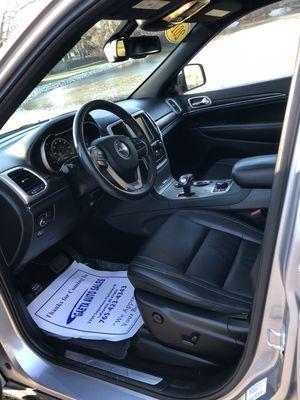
(171, 187)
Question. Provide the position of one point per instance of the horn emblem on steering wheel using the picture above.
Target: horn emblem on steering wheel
(122, 149)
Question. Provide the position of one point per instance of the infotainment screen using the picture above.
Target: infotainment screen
(143, 126)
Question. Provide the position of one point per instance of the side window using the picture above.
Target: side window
(259, 47)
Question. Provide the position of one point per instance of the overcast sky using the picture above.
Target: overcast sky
(13, 4)
(23, 13)
(27, 10)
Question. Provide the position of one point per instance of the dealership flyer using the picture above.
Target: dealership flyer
(88, 304)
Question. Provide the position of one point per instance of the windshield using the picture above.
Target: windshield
(84, 74)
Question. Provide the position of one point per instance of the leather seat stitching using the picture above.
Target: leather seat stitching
(225, 218)
(232, 262)
(207, 302)
(199, 245)
(182, 278)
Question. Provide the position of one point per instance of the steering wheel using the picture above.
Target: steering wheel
(114, 160)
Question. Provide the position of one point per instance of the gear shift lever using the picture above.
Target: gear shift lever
(185, 181)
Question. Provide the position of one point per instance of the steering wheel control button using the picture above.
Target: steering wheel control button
(99, 156)
(122, 149)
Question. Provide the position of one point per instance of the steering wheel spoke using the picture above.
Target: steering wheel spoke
(131, 186)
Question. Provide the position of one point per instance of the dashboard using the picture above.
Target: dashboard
(39, 201)
(58, 148)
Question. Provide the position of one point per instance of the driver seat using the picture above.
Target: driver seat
(194, 283)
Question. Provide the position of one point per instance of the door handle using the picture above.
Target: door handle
(199, 101)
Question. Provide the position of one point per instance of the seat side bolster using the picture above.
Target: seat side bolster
(223, 223)
(185, 290)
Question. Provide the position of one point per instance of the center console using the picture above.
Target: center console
(192, 187)
(144, 216)
(188, 191)
(196, 189)
(187, 187)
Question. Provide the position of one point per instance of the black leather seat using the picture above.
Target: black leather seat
(195, 279)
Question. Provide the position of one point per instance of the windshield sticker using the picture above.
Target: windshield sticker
(258, 390)
(151, 4)
(177, 33)
(88, 304)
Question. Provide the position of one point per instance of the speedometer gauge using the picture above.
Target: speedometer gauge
(56, 150)
(61, 149)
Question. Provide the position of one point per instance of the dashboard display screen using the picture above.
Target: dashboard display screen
(144, 128)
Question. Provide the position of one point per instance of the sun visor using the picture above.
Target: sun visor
(160, 15)
(169, 13)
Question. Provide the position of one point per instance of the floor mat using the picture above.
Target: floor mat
(88, 304)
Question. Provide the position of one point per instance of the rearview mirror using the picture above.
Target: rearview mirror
(131, 47)
(191, 77)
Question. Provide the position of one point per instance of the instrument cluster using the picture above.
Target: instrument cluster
(59, 147)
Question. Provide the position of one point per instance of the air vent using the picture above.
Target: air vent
(172, 103)
(27, 181)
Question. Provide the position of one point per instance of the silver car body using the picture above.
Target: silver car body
(276, 357)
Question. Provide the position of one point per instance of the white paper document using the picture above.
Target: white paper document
(88, 304)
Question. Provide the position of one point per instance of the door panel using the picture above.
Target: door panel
(239, 122)
(256, 132)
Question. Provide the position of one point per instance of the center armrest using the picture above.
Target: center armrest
(255, 172)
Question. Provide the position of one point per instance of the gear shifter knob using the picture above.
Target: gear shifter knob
(185, 181)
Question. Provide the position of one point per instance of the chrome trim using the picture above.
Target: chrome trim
(122, 149)
(221, 191)
(62, 133)
(157, 128)
(17, 189)
(19, 393)
(206, 101)
(110, 126)
(274, 98)
(280, 339)
(31, 369)
(2, 381)
(115, 368)
(44, 155)
(136, 185)
(100, 160)
(135, 114)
